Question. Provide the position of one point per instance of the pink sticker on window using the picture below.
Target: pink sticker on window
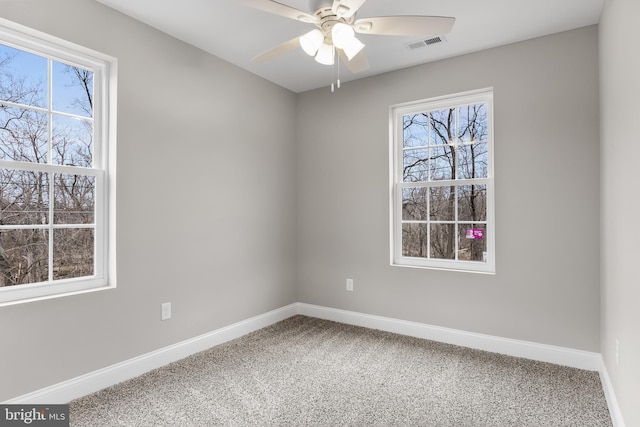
(475, 233)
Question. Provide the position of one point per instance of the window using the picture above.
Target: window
(442, 183)
(57, 118)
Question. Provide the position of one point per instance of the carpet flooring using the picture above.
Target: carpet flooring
(305, 371)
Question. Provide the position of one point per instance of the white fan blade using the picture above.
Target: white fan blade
(346, 8)
(404, 25)
(357, 64)
(279, 50)
(281, 9)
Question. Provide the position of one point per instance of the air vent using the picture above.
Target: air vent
(425, 42)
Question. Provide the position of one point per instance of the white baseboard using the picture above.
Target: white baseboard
(80, 386)
(612, 402)
(529, 350)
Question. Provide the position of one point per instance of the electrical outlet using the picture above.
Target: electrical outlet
(617, 353)
(350, 285)
(166, 311)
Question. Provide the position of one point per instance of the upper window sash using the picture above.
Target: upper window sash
(104, 69)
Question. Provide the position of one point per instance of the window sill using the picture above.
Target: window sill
(453, 266)
(21, 294)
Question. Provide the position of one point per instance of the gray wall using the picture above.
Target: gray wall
(619, 71)
(205, 204)
(546, 288)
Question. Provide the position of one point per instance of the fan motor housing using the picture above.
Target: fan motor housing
(328, 18)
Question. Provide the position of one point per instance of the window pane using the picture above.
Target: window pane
(472, 123)
(74, 199)
(414, 240)
(72, 90)
(415, 165)
(472, 242)
(472, 161)
(23, 77)
(472, 202)
(23, 135)
(442, 207)
(442, 162)
(414, 204)
(72, 253)
(24, 197)
(24, 257)
(415, 130)
(443, 126)
(443, 241)
(72, 142)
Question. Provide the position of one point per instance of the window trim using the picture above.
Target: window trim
(396, 113)
(104, 68)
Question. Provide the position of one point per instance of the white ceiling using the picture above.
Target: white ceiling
(237, 33)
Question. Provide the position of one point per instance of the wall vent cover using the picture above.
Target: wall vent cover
(425, 42)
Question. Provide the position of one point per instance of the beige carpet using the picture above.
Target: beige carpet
(307, 371)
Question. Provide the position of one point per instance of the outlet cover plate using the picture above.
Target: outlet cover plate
(166, 311)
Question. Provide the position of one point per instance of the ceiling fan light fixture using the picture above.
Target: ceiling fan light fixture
(342, 35)
(311, 42)
(325, 54)
(353, 48)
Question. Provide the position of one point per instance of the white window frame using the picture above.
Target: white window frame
(396, 113)
(104, 68)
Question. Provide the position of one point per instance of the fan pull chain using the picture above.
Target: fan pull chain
(338, 80)
(333, 66)
(337, 83)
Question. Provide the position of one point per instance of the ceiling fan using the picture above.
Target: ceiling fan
(336, 27)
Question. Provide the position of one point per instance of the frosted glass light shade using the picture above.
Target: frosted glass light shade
(342, 35)
(311, 41)
(325, 54)
(353, 48)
